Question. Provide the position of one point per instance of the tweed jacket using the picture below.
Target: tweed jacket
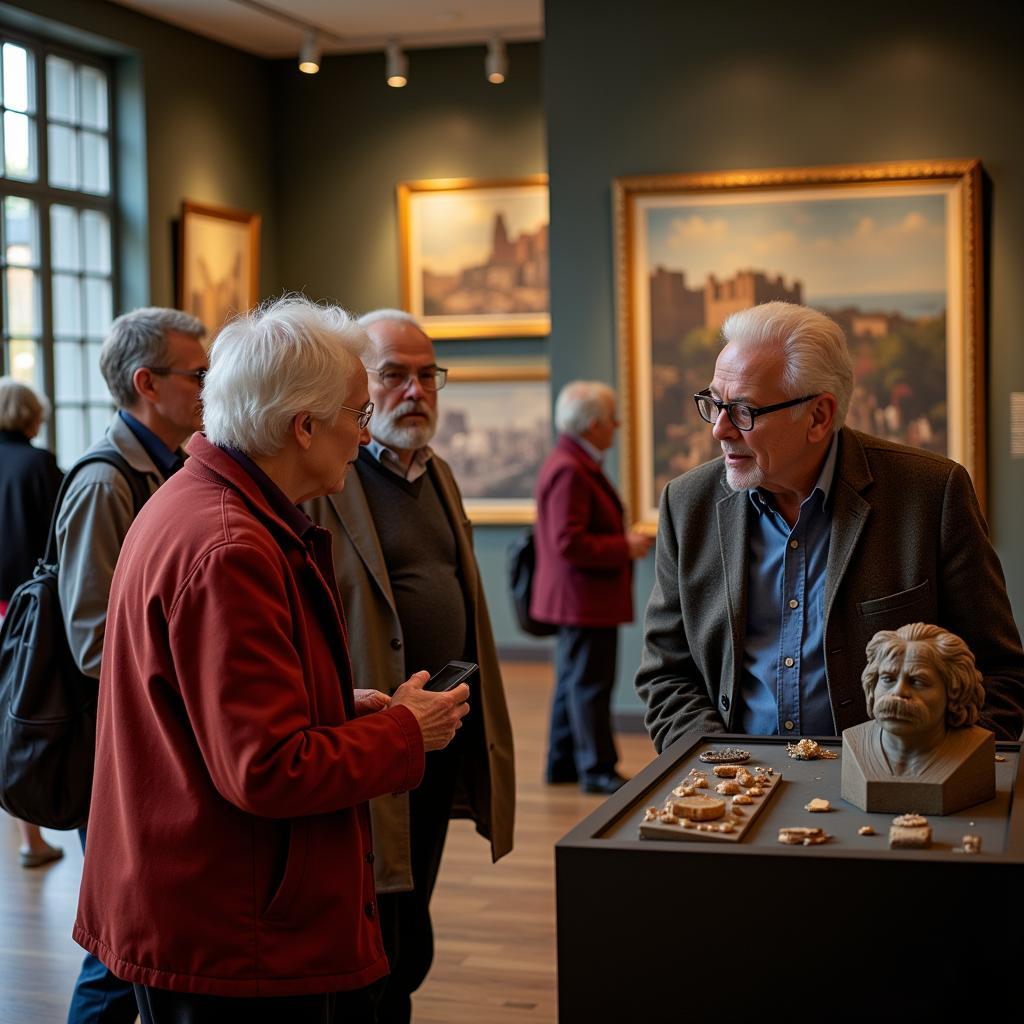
(486, 791)
(93, 519)
(908, 544)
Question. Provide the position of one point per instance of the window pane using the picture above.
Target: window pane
(19, 89)
(96, 234)
(21, 302)
(64, 248)
(98, 306)
(67, 307)
(99, 420)
(95, 164)
(21, 237)
(60, 89)
(19, 146)
(97, 386)
(70, 435)
(63, 157)
(68, 375)
(93, 85)
(26, 364)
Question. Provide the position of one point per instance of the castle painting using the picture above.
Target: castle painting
(475, 257)
(886, 262)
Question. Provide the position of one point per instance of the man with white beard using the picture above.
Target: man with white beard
(412, 595)
(778, 562)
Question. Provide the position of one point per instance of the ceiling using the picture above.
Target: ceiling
(275, 28)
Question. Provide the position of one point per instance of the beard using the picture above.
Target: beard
(897, 709)
(387, 429)
(742, 479)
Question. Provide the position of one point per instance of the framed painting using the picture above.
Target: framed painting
(494, 430)
(219, 263)
(892, 252)
(474, 256)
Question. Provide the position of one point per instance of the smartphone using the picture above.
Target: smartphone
(450, 676)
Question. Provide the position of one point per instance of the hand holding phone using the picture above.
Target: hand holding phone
(450, 676)
(438, 714)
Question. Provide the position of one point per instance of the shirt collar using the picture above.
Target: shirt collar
(762, 502)
(389, 457)
(279, 503)
(164, 459)
(595, 453)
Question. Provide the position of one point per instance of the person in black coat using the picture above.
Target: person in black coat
(29, 481)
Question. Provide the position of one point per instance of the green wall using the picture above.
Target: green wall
(661, 86)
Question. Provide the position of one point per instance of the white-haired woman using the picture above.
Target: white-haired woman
(229, 867)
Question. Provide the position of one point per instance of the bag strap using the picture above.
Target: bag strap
(112, 457)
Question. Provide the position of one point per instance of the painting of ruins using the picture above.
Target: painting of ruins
(494, 430)
(475, 256)
(218, 272)
(883, 254)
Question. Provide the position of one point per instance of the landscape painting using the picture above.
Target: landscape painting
(475, 256)
(494, 430)
(886, 256)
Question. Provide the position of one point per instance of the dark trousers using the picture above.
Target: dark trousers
(99, 997)
(580, 742)
(405, 916)
(159, 1006)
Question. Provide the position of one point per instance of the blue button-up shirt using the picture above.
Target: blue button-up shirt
(783, 689)
(166, 461)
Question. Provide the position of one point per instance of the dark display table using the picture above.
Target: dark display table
(718, 931)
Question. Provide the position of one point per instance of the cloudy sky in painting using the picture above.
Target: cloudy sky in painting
(850, 245)
(453, 230)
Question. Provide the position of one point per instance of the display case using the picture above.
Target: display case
(653, 930)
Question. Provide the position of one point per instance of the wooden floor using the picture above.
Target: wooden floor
(494, 924)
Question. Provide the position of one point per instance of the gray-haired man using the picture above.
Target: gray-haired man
(153, 362)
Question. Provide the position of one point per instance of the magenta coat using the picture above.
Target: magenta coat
(229, 843)
(584, 575)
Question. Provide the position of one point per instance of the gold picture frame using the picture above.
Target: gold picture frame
(891, 250)
(474, 256)
(494, 430)
(218, 263)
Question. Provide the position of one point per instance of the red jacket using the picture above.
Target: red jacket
(583, 575)
(229, 846)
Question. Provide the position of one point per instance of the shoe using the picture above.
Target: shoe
(556, 778)
(36, 859)
(604, 784)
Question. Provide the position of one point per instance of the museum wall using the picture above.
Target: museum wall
(660, 86)
(345, 140)
(202, 130)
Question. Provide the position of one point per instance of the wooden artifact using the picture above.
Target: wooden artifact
(921, 750)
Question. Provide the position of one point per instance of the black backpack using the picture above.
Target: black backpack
(522, 561)
(47, 706)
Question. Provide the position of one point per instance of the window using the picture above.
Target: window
(56, 233)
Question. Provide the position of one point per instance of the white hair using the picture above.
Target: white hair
(813, 346)
(376, 315)
(581, 404)
(288, 356)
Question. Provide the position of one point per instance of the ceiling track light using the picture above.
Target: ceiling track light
(496, 64)
(310, 54)
(397, 66)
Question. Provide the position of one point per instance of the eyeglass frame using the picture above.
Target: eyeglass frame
(197, 375)
(754, 411)
(404, 383)
(362, 415)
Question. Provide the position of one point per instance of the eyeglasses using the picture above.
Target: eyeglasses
(163, 371)
(740, 416)
(431, 379)
(362, 415)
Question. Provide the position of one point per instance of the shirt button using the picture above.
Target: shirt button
(794, 544)
(396, 644)
(789, 726)
(794, 603)
(788, 663)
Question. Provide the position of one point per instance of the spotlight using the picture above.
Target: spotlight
(496, 64)
(398, 67)
(309, 55)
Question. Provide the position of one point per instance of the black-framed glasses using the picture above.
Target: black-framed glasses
(362, 415)
(431, 378)
(741, 416)
(164, 371)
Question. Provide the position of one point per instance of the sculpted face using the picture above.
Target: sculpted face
(910, 695)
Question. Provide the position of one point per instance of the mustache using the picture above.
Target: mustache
(899, 709)
(733, 449)
(410, 405)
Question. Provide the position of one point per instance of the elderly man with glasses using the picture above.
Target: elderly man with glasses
(403, 557)
(778, 562)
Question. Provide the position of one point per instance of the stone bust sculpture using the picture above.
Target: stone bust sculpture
(922, 750)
